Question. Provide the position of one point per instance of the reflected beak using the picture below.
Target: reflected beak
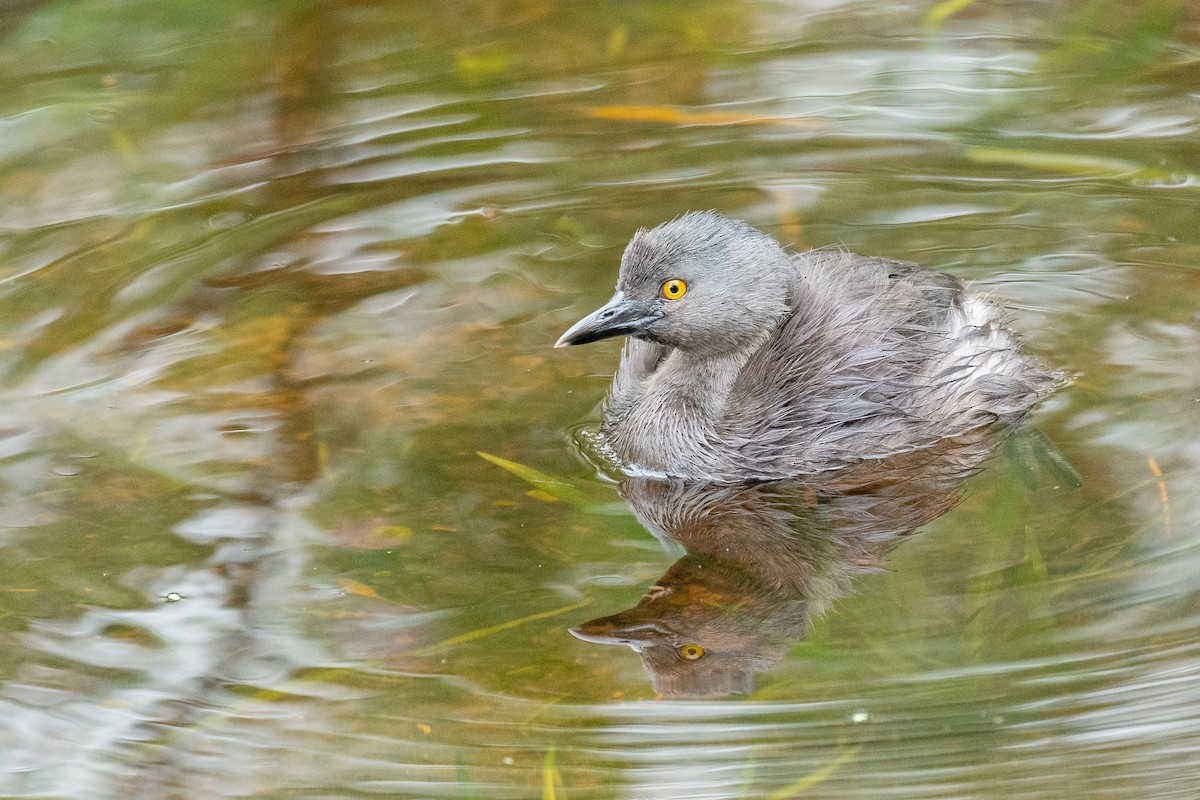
(617, 317)
(618, 629)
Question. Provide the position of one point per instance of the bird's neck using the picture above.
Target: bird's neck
(700, 385)
(678, 411)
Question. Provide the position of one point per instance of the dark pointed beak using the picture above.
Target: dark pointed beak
(618, 317)
(618, 629)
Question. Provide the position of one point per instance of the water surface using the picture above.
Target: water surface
(272, 274)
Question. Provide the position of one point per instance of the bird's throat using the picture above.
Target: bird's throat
(679, 411)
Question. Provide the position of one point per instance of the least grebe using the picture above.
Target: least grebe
(746, 361)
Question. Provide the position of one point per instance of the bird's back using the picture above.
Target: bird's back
(878, 357)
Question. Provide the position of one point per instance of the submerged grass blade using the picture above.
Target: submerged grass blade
(1076, 164)
(548, 776)
(943, 11)
(667, 115)
(746, 783)
(1107, 40)
(1039, 462)
(471, 636)
(554, 487)
(817, 776)
(464, 779)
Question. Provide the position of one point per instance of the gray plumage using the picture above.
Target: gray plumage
(774, 365)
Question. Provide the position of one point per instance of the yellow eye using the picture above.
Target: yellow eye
(673, 290)
(691, 651)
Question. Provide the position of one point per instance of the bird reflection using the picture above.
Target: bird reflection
(763, 558)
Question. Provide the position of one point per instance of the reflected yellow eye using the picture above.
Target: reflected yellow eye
(673, 290)
(691, 651)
